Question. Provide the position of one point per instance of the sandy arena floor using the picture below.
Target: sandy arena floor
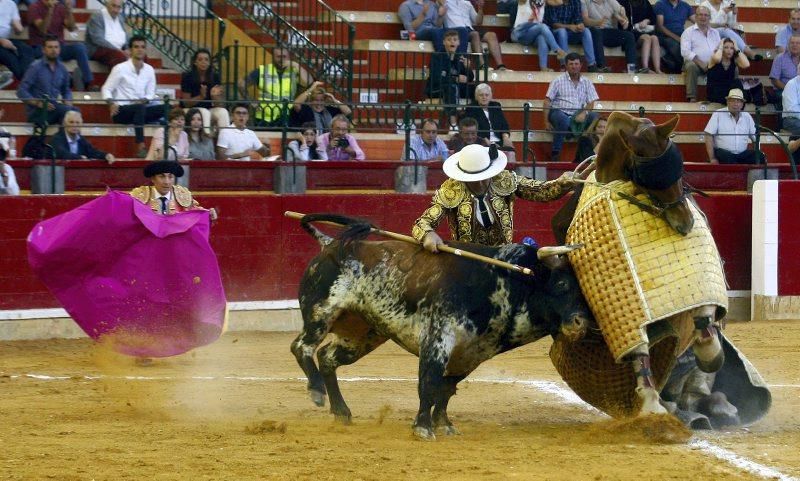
(238, 410)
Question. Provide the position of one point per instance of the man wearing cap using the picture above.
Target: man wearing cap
(728, 132)
(478, 198)
(163, 196)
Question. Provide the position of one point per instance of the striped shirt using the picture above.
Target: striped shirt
(569, 13)
(784, 67)
(425, 152)
(569, 97)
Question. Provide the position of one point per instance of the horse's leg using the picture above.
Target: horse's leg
(707, 347)
(303, 347)
(645, 384)
(434, 353)
(447, 391)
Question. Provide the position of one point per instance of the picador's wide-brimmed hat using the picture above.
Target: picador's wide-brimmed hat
(163, 167)
(474, 163)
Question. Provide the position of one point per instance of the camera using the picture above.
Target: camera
(342, 143)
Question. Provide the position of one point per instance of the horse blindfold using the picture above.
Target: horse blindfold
(657, 173)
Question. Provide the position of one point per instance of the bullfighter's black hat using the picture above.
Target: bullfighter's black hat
(163, 167)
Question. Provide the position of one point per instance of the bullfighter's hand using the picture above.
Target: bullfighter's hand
(432, 241)
(212, 213)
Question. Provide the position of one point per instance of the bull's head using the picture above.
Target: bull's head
(565, 292)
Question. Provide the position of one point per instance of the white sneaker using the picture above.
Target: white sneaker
(5, 79)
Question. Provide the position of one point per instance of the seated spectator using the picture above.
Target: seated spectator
(671, 17)
(784, 34)
(422, 21)
(641, 22)
(338, 144)
(723, 71)
(201, 146)
(569, 100)
(129, 89)
(51, 17)
(71, 145)
(609, 18)
(14, 54)
(698, 43)
(449, 78)
(427, 146)
(590, 139)
(509, 7)
(106, 38)
(317, 106)
(237, 142)
(201, 88)
(46, 77)
(178, 140)
(566, 21)
(467, 135)
(8, 181)
(784, 67)
(791, 106)
(530, 28)
(462, 16)
(723, 19)
(728, 132)
(306, 147)
(274, 82)
(492, 123)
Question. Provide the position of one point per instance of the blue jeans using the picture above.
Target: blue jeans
(527, 33)
(73, 51)
(560, 121)
(565, 37)
(435, 35)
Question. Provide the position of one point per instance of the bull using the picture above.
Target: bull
(453, 313)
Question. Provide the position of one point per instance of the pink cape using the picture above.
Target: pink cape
(150, 284)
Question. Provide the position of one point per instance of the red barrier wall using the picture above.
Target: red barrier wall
(262, 254)
(788, 239)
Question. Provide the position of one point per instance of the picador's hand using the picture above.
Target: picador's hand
(432, 241)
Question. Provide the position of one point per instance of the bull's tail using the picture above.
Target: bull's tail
(357, 229)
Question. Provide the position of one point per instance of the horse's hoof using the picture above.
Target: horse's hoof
(451, 431)
(651, 402)
(317, 397)
(344, 419)
(425, 434)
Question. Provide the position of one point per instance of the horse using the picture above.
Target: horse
(636, 152)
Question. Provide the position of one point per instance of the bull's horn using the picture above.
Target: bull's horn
(544, 252)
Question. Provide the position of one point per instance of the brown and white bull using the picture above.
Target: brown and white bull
(453, 313)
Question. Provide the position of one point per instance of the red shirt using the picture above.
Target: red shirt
(38, 11)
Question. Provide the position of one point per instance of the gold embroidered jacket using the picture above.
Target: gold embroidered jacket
(454, 201)
(181, 199)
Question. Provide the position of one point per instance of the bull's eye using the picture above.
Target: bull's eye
(561, 286)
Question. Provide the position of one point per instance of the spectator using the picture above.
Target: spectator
(723, 71)
(106, 38)
(129, 89)
(14, 54)
(427, 147)
(51, 17)
(698, 43)
(46, 77)
(728, 132)
(671, 17)
(306, 147)
(449, 76)
(8, 181)
(318, 106)
(608, 17)
(201, 88)
(791, 106)
(509, 7)
(273, 83)
(590, 139)
(569, 100)
(238, 142)
(422, 21)
(338, 144)
(467, 135)
(566, 21)
(641, 22)
(178, 139)
(69, 144)
(723, 19)
(784, 34)
(461, 16)
(784, 67)
(530, 28)
(492, 123)
(201, 146)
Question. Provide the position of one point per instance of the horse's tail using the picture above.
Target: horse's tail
(357, 229)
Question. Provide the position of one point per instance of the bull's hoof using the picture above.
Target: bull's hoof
(423, 433)
(317, 397)
(651, 402)
(450, 431)
(713, 365)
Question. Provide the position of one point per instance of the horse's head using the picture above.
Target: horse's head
(638, 150)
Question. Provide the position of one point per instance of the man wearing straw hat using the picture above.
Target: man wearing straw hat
(729, 130)
(478, 198)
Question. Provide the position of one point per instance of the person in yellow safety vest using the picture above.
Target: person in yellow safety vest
(274, 82)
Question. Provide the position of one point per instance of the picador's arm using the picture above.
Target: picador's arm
(543, 191)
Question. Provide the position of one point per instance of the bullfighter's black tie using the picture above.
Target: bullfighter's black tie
(163, 205)
(484, 217)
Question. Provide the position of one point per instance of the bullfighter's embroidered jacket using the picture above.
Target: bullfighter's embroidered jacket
(455, 201)
(181, 200)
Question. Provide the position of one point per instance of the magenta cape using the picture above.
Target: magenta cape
(148, 283)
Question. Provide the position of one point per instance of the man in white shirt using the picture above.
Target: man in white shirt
(237, 141)
(14, 54)
(106, 38)
(698, 43)
(129, 89)
(728, 132)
